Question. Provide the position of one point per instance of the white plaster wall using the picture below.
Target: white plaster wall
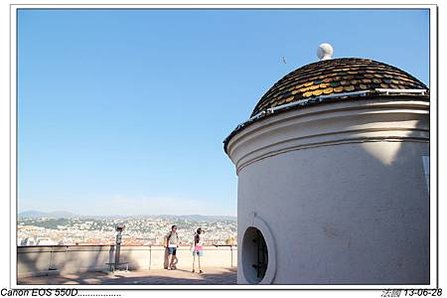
(343, 192)
(37, 260)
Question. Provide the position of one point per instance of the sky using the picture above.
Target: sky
(124, 111)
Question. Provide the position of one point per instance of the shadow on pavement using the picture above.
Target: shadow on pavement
(215, 276)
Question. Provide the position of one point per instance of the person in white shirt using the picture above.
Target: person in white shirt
(172, 245)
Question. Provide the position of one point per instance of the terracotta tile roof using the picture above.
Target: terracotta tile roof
(309, 84)
(335, 76)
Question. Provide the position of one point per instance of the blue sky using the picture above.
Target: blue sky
(125, 111)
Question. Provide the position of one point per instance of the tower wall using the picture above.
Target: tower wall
(339, 193)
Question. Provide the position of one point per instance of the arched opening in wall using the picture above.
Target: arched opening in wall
(254, 255)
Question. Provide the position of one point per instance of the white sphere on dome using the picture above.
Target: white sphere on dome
(325, 51)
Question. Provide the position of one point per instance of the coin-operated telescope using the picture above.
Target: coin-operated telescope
(119, 229)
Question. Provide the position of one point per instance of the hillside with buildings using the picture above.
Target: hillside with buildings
(38, 228)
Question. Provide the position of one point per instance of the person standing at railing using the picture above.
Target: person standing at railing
(172, 245)
(197, 249)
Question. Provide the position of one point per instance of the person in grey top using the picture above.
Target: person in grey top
(171, 245)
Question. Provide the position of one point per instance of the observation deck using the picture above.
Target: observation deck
(87, 265)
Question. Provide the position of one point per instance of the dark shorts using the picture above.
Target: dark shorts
(172, 250)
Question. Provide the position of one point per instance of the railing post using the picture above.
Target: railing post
(51, 258)
(150, 256)
(111, 254)
(51, 265)
(66, 252)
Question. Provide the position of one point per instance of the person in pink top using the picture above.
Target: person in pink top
(197, 249)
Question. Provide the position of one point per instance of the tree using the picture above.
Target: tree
(230, 240)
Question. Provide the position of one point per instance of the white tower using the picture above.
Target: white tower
(332, 188)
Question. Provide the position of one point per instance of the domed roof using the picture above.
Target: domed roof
(333, 80)
(335, 76)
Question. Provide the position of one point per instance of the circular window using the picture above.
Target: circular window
(254, 255)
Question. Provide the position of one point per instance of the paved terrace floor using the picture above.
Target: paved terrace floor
(211, 276)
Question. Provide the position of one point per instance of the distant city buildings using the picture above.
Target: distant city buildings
(101, 231)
